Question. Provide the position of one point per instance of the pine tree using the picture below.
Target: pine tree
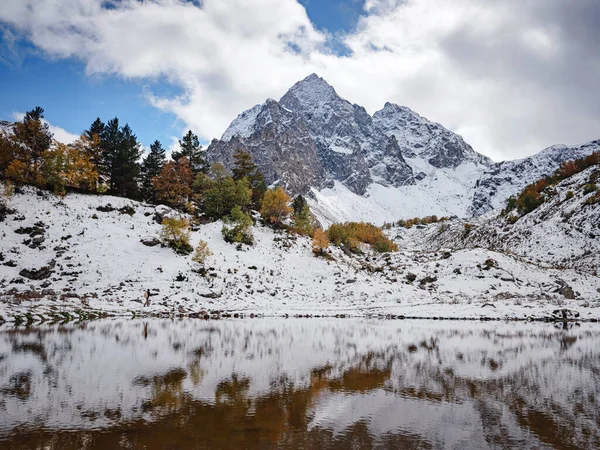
(244, 167)
(192, 150)
(151, 168)
(120, 157)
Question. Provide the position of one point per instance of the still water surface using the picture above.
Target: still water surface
(299, 384)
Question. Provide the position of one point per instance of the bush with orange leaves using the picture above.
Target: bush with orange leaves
(351, 234)
(174, 184)
(320, 242)
(276, 206)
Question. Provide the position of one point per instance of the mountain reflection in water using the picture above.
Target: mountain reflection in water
(299, 384)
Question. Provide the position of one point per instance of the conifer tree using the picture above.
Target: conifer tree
(151, 168)
(244, 167)
(190, 148)
(121, 153)
(304, 221)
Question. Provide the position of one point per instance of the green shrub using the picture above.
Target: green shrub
(237, 228)
(590, 187)
(570, 195)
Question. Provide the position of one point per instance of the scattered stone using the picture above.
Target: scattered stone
(39, 274)
(105, 208)
(150, 242)
(428, 279)
(446, 255)
(411, 277)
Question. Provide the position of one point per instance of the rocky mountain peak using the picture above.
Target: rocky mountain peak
(312, 90)
(420, 137)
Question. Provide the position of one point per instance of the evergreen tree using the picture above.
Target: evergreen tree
(120, 157)
(244, 167)
(152, 167)
(298, 204)
(192, 150)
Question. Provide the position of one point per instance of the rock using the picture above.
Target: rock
(150, 242)
(39, 274)
(446, 255)
(566, 290)
(352, 280)
(105, 208)
(428, 279)
(163, 211)
(457, 271)
(210, 294)
(507, 278)
(127, 210)
(38, 240)
(48, 291)
(411, 277)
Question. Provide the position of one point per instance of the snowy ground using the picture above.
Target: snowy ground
(102, 264)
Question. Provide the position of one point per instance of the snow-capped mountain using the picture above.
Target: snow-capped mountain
(5, 127)
(506, 178)
(381, 168)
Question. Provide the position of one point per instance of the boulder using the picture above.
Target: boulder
(39, 274)
(150, 242)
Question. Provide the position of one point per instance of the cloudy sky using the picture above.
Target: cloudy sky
(511, 76)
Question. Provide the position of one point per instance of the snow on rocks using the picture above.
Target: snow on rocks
(101, 264)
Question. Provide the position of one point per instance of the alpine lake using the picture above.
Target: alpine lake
(300, 384)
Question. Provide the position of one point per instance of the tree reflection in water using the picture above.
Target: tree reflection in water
(298, 384)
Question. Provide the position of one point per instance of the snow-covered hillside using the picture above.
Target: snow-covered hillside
(562, 232)
(65, 254)
(506, 178)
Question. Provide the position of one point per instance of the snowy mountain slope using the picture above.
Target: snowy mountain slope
(562, 232)
(5, 127)
(506, 178)
(65, 254)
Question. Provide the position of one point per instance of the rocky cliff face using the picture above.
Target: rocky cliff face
(421, 138)
(279, 143)
(314, 138)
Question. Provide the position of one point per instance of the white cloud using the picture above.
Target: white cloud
(60, 134)
(512, 76)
